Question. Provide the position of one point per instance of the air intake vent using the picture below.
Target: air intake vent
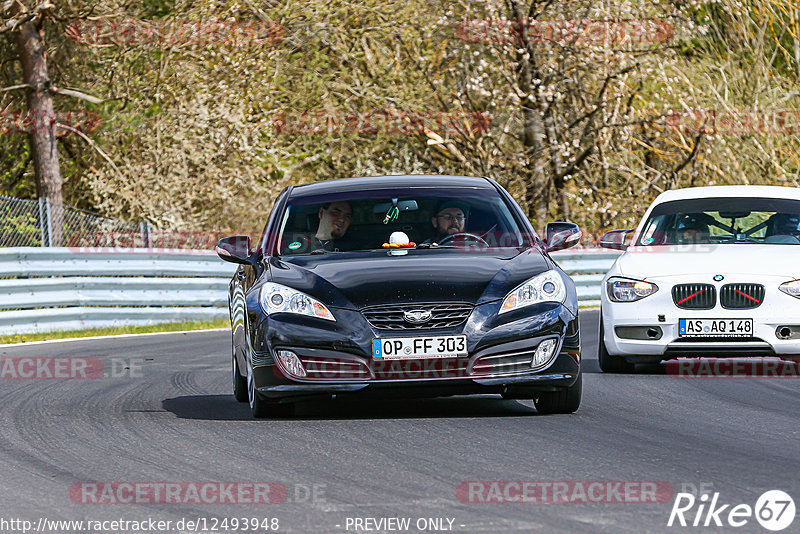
(694, 296)
(741, 296)
(326, 368)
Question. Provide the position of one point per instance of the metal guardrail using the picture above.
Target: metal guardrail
(587, 268)
(45, 289)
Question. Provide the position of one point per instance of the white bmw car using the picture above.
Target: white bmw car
(709, 271)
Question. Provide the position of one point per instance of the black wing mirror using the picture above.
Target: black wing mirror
(615, 239)
(561, 235)
(235, 249)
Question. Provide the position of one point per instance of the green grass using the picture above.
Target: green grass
(165, 327)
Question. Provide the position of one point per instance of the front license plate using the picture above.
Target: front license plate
(402, 348)
(715, 327)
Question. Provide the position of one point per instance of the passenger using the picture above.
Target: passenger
(691, 231)
(334, 220)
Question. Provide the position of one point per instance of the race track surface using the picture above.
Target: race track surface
(170, 417)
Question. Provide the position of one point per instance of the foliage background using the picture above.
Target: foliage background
(189, 139)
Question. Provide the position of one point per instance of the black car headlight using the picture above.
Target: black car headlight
(623, 290)
(277, 298)
(544, 287)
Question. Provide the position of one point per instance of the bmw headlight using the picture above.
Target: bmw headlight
(545, 287)
(791, 288)
(277, 298)
(623, 290)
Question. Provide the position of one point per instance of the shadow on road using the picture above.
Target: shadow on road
(225, 408)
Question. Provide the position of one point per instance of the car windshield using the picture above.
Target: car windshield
(723, 221)
(408, 218)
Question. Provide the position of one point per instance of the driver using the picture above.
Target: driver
(786, 224)
(450, 218)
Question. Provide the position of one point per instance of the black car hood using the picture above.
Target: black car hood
(359, 279)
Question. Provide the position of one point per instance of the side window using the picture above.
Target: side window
(272, 222)
(649, 232)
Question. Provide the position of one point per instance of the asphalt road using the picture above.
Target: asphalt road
(170, 417)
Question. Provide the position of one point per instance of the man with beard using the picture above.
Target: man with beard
(450, 218)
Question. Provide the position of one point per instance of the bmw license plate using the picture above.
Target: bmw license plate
(715, 327)
(400, 348)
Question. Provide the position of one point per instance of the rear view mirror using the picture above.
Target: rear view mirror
(403, 205)
(235, 249)
(734, 214)
(561, 235)
(615, 239)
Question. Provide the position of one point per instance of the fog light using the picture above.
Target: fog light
(291, 363)
(544, 352)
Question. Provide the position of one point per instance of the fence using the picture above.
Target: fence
(38, 223)
(46, 289)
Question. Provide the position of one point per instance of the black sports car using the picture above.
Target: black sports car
(402, 286)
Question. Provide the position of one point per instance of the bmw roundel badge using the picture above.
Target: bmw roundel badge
(718, 278)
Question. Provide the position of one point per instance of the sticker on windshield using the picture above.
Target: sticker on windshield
(645, 241)
(295, 245)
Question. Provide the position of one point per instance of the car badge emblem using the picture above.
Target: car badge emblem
(417, 316)
(718, 278)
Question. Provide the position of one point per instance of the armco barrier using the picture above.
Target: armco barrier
(45, 289)
(587, 268)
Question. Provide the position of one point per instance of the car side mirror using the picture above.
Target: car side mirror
(235, 249)
(561, 235)
(615, 239)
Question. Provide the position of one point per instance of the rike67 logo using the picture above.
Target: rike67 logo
(774, 510)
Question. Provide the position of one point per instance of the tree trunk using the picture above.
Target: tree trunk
(42, 122)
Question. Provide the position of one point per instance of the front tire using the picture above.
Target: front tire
(239, 381)
(259, 406)
(566, 400)
(609, 363)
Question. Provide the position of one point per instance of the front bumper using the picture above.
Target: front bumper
(625, 321)
(340, 355)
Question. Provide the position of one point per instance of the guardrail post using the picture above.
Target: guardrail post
(144, 228)
(45, 224)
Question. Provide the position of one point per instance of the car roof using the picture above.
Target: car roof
(713, 191)
(390, 182)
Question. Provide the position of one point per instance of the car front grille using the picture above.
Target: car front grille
(443, 315)
(741, 296)
(694, 296)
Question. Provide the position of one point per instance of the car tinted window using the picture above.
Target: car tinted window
(365, 220)
(723, 220)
